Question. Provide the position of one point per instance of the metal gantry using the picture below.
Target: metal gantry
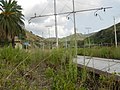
(74, 11)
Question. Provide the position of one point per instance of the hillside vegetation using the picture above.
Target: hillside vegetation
(32, 37)
(34, 40)
(106, 35)
(79, 36)
(102, 37)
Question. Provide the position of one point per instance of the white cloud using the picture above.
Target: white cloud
(31, 3)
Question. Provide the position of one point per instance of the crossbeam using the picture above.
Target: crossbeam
(78, 11)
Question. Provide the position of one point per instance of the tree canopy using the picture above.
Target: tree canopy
(11, 19)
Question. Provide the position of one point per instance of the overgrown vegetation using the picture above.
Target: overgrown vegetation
(36, 70)
(41, 69)
(103, 52)
(45, 70)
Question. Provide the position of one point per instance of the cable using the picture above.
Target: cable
(65, 6)
(78, 2)
(81, 3)
(40, 13)
(44, 9)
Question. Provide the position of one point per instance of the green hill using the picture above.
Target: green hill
(34, 40)
(32, 37)
(106, 35)
(69, 39)
(79, 37)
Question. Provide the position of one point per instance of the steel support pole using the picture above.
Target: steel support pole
(56, 31)
(74, 19)
(115, 33)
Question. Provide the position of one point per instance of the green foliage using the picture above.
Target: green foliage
(106, 35)
(11, 19)
(65, 78)
(20, 69)
(107, 82)
(49, 72)
(12, 55)
(45, 70)
(103, 52)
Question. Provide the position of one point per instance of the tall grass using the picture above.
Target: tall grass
(14, 64)
(103, 52)
(62, 70)
(43, 70)
(37, 69)
(101, 82)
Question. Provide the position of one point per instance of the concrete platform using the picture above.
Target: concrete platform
(100, 65)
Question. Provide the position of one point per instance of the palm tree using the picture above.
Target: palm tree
(11, 19)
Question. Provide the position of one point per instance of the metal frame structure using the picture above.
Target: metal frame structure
(74, 12)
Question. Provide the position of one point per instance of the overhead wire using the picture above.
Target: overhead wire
(65, 6)
(44, 9)
(78, 2)
(86, 4)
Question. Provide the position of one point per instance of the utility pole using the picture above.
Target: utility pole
(56, 31)
(74, 20)
(115, 32)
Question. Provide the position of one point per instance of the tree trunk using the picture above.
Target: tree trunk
(13, 42)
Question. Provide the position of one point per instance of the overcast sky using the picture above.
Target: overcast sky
(65, 26)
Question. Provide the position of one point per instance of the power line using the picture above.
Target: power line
(44, 8)
(65, 6)
(81, 3)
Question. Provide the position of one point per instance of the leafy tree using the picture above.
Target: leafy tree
(11, 19)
